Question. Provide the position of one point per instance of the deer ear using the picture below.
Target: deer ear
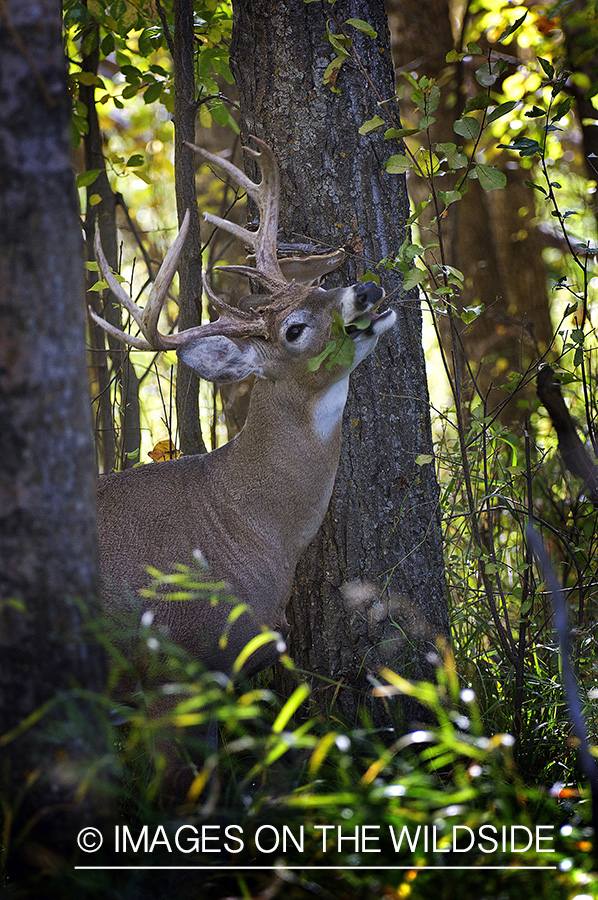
(217, 358)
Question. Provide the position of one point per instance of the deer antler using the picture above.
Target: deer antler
(270, 271)
(232, 322)
(266, 196)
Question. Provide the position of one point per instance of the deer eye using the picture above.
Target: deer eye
(293, 332)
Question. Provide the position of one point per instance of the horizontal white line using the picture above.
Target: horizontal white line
(314, 868)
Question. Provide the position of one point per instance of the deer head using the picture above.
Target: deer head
(289, 322)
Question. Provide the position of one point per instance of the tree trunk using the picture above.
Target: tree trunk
(185, 109)
(47, 521)
(124, 453)
(370, 590)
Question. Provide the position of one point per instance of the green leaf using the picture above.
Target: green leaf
(98, 286)
(425, 122)
(449, 197)
(468, 127)
(535, 112)
(291, 706)
(331, 73)
(108, 45)
(118, 9)
(470, 313)
(144, 42)
(417, 211)
(339, 42)
(371, 125)
(455, 275)
(131, 73)
(399, 133)
(563, 109)
(136, 160)
(87, 178)
(87, 78)
(398, 164)
(369, 276)
(219, 111)
(153, 92)
(525, 146)
(501, 110)
(415, 277)
(489, 73)
(423, 459)
(365, 27)
(433, 100)
(130, 90)
(409, 252)
(490, 179)
(537, 187)
(340, 351)
(454, 157)
(474, 48)
(480, 101)
(512, 28)
(526, 607)
(548, 68)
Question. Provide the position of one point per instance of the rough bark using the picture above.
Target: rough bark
(185, 108)
(370, 590)
(47, 521)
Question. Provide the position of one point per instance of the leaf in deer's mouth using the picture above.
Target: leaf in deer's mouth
(361, 324)
(367, 323)
(339, 351)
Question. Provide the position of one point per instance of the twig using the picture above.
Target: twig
(573, 452)
(570, 683)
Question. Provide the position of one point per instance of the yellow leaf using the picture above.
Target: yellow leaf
(164, 450)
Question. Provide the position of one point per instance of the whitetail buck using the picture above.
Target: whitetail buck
(252, 506)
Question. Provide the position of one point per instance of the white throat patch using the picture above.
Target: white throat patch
(328, 410)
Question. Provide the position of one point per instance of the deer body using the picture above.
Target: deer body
(252, 506)
(249, 508)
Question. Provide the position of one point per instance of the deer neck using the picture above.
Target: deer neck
(286, 458)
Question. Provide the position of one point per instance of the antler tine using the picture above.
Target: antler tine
(266, 196)
(219, 305)
(223, 327)
(130, 339)
(271, 284)
(146, 318)
(153, 307)
(114, 285)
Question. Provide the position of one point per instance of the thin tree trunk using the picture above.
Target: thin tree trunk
(370, 590)
(47, 520)
(123, 453)
(185, 110)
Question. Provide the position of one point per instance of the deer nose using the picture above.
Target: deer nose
(366, 294)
